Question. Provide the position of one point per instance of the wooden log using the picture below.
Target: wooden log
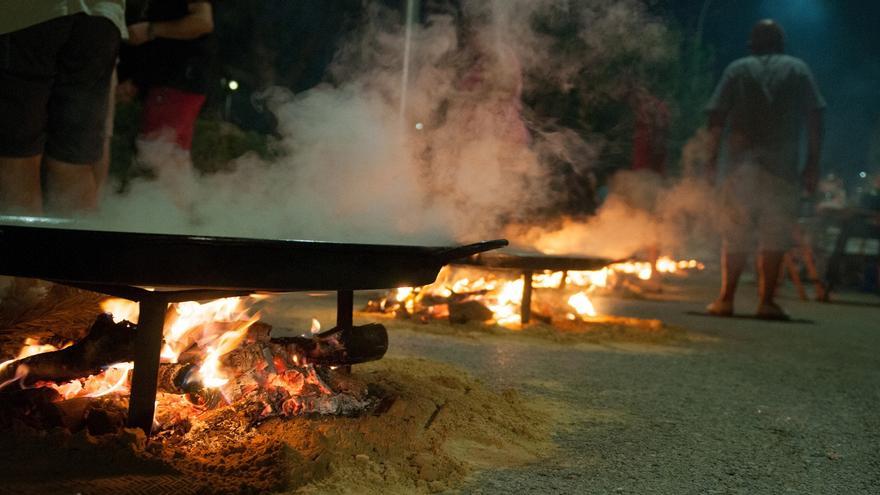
(340, 346)
(178, 378)
(106, 343)
(469, 311)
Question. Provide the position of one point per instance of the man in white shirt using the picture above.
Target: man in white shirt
(765, 100)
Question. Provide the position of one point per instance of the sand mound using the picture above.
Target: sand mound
(440, 427)
(435, 427)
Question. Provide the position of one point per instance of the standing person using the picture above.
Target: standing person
(173, 62)
(766, 100)
(56, 61)
(650, 132)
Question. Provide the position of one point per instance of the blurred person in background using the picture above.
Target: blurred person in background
(765, 99)
(650, 133)
(832, 193)
(170, 65)
(56, 62)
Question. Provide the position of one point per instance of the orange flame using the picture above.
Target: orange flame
(210, 372)
(121, 309)
(582, 304)
(119, 372)
(504, 297)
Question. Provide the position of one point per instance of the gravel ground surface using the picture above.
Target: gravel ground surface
(751, 407)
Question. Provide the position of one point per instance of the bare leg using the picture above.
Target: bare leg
(20, 191)
(769, 266)
(20, 194)
(102, 167)
(794, 272)
(810, 262)
(70, 187)
(732, 265)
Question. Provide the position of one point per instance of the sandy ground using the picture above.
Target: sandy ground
(743, 407)
(710, 406)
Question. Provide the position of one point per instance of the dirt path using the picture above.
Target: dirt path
(755, 407)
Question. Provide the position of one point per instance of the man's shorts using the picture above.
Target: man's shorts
(54, 85)
(759, 210)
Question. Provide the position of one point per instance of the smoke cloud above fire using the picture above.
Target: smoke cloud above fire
(457, 161)
(643, 211)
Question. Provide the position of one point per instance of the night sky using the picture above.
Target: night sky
(839, 39)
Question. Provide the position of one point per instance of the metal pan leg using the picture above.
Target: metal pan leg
(148, 346)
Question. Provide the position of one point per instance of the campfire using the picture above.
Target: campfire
(496, 295)
(214, 354)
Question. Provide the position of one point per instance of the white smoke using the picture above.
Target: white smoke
(643, 211)
(457, 166)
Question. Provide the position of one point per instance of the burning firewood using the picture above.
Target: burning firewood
(338, 346)
(497, 292)
(178, 378)
(108, 343)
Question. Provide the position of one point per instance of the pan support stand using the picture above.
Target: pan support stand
(526, 306)
(345, 314)
(144, 376)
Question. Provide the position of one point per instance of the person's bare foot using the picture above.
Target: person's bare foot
(720, 307)
(771, 311)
